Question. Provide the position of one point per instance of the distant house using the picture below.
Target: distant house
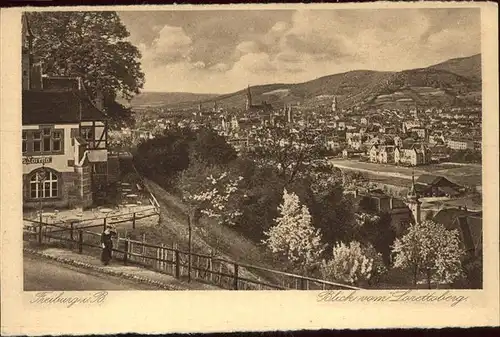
(351, 153)
(398, 141)
(460, 144)
(439, 153)
(373, 153)
(422, 133)
(334, 143)
(377, 201)
(386, 154)
(436, 186)
(469, 225)
(355, 143)
(412, 156)
(477, 145)
(436, 140)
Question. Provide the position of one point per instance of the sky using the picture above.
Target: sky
(221, 51)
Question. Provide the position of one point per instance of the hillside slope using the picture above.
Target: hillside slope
(469, 67)
(456, 82)
(150, 98)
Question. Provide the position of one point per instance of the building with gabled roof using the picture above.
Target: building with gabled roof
(431, 186)
(469, 224)
(64, 137)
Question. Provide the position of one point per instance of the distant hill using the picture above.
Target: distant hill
(469, 67)
(150, 98)
(452, 83)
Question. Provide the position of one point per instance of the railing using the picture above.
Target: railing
(74, 225)
(171, 260)
(151, 197)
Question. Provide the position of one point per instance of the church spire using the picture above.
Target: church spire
(412, 193)
(414, 202)
(249, 98)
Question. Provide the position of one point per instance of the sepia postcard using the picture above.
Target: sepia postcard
(221, 168)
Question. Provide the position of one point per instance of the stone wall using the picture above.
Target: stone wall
(84, 185)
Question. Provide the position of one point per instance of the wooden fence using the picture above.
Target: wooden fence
(171, 260)
(152, 198)
(72, 226)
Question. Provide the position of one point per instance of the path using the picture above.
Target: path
(42, 274)
(90, 264)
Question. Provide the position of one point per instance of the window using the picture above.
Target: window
(24, 142)
(44, 188)
(87, 133)
(56, 141)
(37, 141)
(43, 141)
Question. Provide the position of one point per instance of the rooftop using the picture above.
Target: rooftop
(40, 107)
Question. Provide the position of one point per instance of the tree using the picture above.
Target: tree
(293, 235)
(353, 264)
(163, 157)
(429, 249)
(211, 190)
(212, 148)
(377, 230)
(352, 179)
(93, 46)
(288, 150)
(324, 177)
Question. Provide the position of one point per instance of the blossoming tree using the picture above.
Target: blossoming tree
(293, 236)
(353, 263)
(430, 250)
(212, 191)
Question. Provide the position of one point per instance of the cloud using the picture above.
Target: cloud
(255, 63)
(199, 65)
(247, 47)
(219, 55)
(219, 67)
(171, 45)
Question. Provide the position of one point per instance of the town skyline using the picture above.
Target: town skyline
(220, 52)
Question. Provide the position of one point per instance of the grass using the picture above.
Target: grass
(470, 175)
(208, 236)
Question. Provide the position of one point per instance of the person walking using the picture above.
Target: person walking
(107, 244)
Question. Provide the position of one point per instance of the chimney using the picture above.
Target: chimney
(36, 80)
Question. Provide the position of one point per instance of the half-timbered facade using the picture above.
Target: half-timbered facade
(63, 138)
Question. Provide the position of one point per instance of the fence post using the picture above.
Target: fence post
(236, 267)
(302, 284)
(71, 232)
(80, 241)
(40, 233)
(133, 220)
(177, 264)
(143, 249)
(210, 266)
(104, 224)
(125, 249)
